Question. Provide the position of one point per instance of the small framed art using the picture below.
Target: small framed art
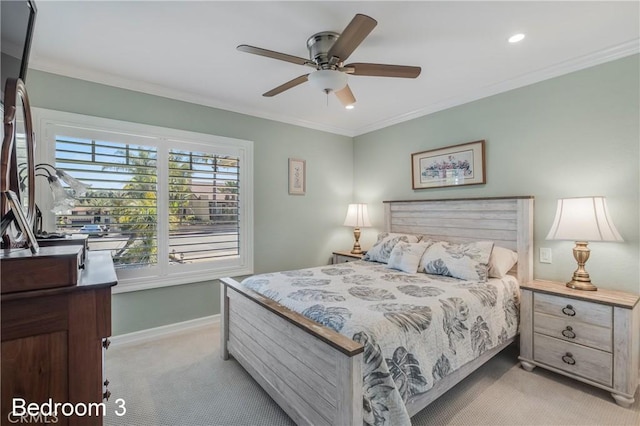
(297, 176)
(449, 166)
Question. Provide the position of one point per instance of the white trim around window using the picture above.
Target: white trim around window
(50, 125)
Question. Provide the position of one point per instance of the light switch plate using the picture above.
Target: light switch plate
(545, 255)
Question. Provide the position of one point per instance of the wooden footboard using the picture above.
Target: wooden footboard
(311, 371)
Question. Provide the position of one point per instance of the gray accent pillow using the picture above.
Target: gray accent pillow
(467, 261)
(406, 256)
(382, 248)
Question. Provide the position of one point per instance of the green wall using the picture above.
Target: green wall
(574, 135)
(289, 231)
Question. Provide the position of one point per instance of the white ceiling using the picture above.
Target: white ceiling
(187, 50)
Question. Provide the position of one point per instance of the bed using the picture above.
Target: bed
(339, 370)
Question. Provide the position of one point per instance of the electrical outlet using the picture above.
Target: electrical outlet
(545, 255)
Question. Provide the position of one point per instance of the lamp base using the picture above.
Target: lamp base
(580, 285)
(581, 279)
(356, 246)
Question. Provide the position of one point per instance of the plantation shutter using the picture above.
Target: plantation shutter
(203, 206)
(170, 206)
(122, 199)
(203, 197)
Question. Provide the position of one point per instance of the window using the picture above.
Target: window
(170, 206)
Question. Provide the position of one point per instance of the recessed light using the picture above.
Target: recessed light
(516, 38)
(350, 106)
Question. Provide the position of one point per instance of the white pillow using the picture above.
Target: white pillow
(406, 256)
(386, 242)
(467, 261)
(501, 261)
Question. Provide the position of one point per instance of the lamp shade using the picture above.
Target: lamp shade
(583, 219)
(357, 215)
(328, 80)
(79, 189)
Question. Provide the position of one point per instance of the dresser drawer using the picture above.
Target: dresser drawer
(574, 331)
(575, 359)
(577, 310)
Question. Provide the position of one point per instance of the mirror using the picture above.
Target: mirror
(17, 180)
(22, 154)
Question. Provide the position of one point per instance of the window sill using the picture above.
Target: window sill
(147, 283)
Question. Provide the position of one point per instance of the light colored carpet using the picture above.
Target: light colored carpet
(181, 380)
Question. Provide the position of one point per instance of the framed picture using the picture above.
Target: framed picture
(450, 166)
(297, 176)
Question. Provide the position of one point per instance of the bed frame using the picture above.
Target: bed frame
(315, 373)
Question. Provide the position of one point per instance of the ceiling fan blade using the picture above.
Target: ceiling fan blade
(346, 96)
(275, 55)
(382, 70)
(357, 30)
(286, 86)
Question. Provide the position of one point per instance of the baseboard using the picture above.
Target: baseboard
(164, 330)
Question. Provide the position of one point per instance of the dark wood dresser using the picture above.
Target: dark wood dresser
(53, 343)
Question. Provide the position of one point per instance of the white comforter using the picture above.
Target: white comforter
(415, 328)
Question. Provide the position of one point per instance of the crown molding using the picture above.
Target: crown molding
(612, 53)
(107, 79)
(576, 64)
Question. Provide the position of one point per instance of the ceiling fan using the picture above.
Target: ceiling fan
(327, 51)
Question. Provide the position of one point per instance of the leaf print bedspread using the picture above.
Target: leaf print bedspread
(415, 328)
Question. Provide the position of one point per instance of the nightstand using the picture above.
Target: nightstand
(346, 256)
(591, 336)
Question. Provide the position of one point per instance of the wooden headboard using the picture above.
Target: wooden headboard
(508, 221)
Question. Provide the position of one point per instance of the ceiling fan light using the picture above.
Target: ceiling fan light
(328, 80)
(516, 38)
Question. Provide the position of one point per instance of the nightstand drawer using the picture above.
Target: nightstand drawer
(573, 331)
(577, 310)
(341, 259)
(580, 360)
(346, 256)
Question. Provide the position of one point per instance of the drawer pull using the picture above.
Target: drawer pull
(568, 310)
(568, 359)
(569, 333)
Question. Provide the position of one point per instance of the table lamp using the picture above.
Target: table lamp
(582, 220)
(357, 216)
